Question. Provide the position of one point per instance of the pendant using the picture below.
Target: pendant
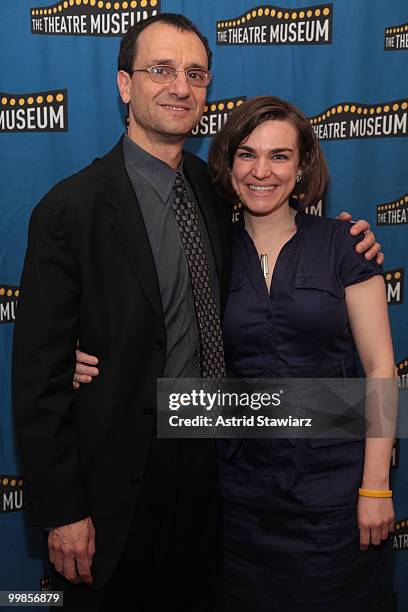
(264, 264)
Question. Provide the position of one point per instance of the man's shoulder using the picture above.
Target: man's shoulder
(83, 181)
(196, 170)
(198, 174)
(194, 162)
(82, 187)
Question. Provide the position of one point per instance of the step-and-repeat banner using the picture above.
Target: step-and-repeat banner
(344, 63)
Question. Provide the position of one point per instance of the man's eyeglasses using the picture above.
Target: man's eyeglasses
(198, 77)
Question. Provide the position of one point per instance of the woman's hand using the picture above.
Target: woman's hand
(85, 370)
(375, 517)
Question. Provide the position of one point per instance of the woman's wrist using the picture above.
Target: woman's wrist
(375, 483)
(376, 493)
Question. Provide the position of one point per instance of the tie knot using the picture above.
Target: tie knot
(180, 185)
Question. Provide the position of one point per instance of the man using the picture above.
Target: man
(109, 261)
(105, 264)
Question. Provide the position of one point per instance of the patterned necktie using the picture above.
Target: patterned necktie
(209, 326)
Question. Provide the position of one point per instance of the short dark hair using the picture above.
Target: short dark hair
(128, 45)
(243, 121)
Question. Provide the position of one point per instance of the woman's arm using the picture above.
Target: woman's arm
(368, 315)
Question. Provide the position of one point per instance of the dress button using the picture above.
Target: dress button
(135, 481)
(159, 344)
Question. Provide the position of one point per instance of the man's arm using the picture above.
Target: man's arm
(86, 370)
(43, 365)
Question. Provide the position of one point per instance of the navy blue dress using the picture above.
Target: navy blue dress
(289, 520)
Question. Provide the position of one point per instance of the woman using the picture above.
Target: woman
(293, 521)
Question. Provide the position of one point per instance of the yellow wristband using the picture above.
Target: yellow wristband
(373, 493)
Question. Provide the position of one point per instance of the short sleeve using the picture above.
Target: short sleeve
(353, 266)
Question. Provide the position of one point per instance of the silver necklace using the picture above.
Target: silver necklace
(263, 260)
(263, 257)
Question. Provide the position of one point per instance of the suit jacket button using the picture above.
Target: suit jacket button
(135, 481)
(159, 344)
(148, 411)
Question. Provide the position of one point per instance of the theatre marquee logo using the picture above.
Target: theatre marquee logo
(395, 454)
(396, 38)
(215, 115)
(11, 493)
(402, 371)
(350, 120)
(393, 213)
(318, 209)
(400, 535)
(91, 17)
(394, 283)
(273, 25)
(8, 303)
(45, 111)
(45, 584)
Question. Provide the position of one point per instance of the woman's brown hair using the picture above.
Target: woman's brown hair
(239, 126)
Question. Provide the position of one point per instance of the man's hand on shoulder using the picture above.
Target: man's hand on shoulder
(71, 549)
(368, 245)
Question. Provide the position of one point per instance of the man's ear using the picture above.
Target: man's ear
(124, 83)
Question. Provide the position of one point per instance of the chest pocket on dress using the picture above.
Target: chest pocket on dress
(332, 290)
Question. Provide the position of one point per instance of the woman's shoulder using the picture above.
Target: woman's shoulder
(323, 223)
(330, 246)
(326, 229)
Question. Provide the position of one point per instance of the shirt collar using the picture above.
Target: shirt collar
(154, 171)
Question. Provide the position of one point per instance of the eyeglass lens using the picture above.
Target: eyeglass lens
(195, 76)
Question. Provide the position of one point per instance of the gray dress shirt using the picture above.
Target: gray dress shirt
(153, 183)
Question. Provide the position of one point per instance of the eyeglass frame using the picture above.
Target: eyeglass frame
(175, 73)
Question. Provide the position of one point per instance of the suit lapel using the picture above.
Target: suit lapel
(129, 226)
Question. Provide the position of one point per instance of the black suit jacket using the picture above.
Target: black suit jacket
(89, 273)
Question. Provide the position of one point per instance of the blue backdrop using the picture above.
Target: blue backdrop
(344, 63)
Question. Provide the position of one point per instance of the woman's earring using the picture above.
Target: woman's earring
(298, 176)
